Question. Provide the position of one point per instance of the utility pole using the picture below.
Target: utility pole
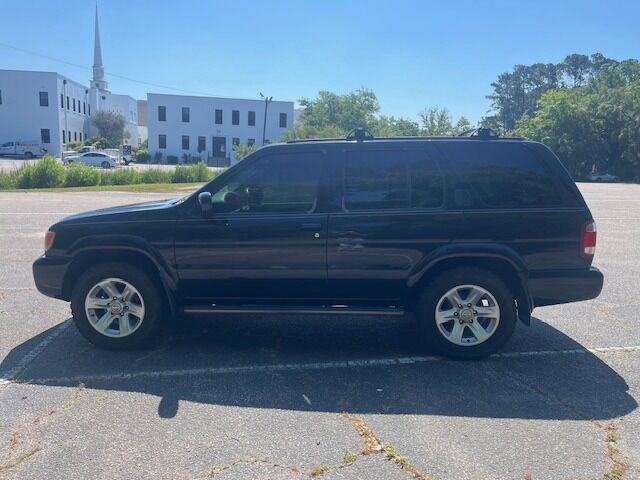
(267, 101)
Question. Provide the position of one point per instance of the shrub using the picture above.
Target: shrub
(47, 173)
(156, 175)
(182, 174)
(73, 146)
(191, 173)
(125, 176)
(82, 175)
(201, 173)
(172, 160)
(143, 156)
(9, 180)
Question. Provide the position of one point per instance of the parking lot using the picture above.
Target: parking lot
(320, 397)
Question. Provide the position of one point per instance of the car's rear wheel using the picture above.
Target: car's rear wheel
(28, 155)
(105, 164)
(466, 313)
(116, 306)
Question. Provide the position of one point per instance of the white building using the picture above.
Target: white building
(207, 127)
(44, 107)
(53, 109)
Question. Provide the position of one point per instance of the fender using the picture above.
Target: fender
(479, 250)
(134, 244)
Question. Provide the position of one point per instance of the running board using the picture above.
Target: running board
(297, 310)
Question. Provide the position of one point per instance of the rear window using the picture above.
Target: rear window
(505, 175)
(385, 179)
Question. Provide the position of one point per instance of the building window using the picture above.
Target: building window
(0, 97)
(235, 141)
(162, 141)
(89, 109)
(162, 114)
(45, 136)
(80, 136)
(251, 142)
(44, 99)
(283, 120)
(74, 104)
(252, 119)
(68, 103)
(75, 136)
(185, 114)
(202, 144)
(63, 138)
(235, 117)
(218, 117)
(62, 100)
(84, 108)
(185, 142)
(69, 132)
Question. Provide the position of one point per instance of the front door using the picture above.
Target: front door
(264, 241)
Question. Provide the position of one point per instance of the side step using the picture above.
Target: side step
(297, 310)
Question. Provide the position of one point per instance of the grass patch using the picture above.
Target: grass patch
(138, 187)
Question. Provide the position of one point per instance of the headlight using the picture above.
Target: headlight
(48, 240)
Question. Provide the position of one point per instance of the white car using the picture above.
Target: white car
(95, 159)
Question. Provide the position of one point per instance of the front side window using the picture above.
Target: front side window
(391, 179)
(162, 141)
(185, 142)
(185, 114)
(235, 117)
(218, 116)
(45, 135)
(44, 99)
(162, 114)
(286, 183)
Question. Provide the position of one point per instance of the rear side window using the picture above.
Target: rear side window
(391, 179)
(505, 175)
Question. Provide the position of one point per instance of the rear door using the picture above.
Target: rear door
(389, 215)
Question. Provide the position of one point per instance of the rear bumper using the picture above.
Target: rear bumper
(564, 286)
(48, 274)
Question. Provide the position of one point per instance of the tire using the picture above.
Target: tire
(142, 329)
(28, 155)
(105, 164)
(490, 292)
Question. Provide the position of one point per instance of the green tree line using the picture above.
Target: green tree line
(586, 109)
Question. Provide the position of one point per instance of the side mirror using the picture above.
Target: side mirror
(205, 200)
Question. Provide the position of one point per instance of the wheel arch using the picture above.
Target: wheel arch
(505, 267)
(87, 257)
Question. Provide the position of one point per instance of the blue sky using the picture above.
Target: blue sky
(411, 54)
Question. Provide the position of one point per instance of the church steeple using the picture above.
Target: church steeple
(98, 80)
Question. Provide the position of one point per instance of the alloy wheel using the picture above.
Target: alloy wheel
(114, 307)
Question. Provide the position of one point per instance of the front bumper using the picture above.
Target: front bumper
(564, 286)
(48, 274)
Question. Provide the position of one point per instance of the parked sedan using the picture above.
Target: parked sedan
(603, 177)
(95, 159)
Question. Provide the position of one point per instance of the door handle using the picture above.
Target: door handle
(316, 226)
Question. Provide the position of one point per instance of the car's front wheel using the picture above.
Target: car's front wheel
(116, 306)
(105, 164)
(466, 313)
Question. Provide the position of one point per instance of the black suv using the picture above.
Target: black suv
(467, 233)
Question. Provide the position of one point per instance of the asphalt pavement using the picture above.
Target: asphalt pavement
(319, 397)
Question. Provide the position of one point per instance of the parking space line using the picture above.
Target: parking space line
(32, 354)
(287, 367)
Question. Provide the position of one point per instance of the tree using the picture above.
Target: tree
(395, 127)
(242, 151)
(110, 126)
(438, 122)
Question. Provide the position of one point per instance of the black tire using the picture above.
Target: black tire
(432, 293)
(28, 155)
(151, 292)
(105, 164)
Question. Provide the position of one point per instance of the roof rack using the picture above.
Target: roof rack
(361, 134)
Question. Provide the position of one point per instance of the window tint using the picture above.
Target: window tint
(162, 114)
(44, 99)
(285, 183)
(506, 175)
(235, 117)
(387, 179)
(252, 118)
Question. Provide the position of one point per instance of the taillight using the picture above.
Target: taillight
(48, 240)
(589, 236)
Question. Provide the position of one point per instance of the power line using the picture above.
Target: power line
(84, 67)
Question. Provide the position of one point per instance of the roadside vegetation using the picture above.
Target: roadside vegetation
(49, 173)
(585, 108)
